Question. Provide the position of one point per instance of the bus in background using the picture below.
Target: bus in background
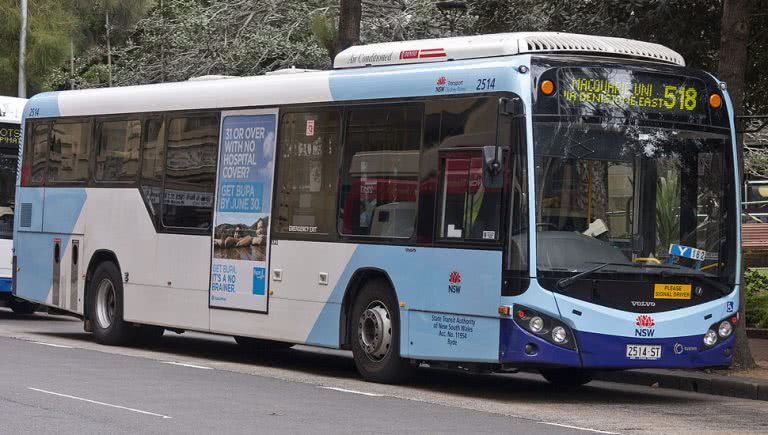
(11, 110)
(543, 200)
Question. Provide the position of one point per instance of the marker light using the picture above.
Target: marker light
(504, 310)
(559, 335)
(724, 329)
(710, 338)
(734, 319)
(715, 101)
(536, 324)
(547, 87)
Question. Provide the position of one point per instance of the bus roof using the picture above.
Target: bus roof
(500, 44)
(11, 109)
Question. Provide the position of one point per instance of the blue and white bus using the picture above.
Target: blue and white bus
(11, 109)
(544, 200)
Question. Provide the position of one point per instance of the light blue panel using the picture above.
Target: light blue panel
(459, 77)
(62, 209)
(45, 105)
(677, 323)
(422, 279)
(453, 337)
(34, 196)
(34, 277)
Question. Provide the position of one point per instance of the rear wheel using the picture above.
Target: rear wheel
(19, 306)
(567, 377)
(376, 335)
(105, 307)
(258, 344)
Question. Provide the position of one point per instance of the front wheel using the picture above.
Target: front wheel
(105, 307)
(376, 335)
(567, 377)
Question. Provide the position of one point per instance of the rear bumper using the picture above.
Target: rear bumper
(602, 351)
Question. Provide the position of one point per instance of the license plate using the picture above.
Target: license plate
(643, 351)
(672, 291)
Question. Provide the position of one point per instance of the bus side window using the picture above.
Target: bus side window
(308, 170)
(190, 172)
(153, 161)
(38, 148)
(381, 172)
(68, 161)
(117, 152)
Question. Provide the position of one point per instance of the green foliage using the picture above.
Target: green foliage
(49, 24)
(755, 281)
(668, 210)
(756, 298)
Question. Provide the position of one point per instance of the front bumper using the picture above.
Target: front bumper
(602, 351)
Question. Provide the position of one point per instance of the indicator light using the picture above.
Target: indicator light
(715, 101)
(734, 319)
(521, 314)
(504, 310)
(547, 87)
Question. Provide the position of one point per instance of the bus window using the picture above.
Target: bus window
(117, 154)
(308, 170)
(68, 160)
(381, 161)
(153, 161)
(9, 151)
(190, 171)
(39, 152)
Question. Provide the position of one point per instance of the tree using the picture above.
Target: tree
(347, 34)
(734, 40)
(48, 26)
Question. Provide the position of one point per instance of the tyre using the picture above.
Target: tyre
(375, 329)
(19, 306)
(105, 307)
(567, 377)
(258, 344)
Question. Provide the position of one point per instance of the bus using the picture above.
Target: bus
(10, 137)
(558, 202)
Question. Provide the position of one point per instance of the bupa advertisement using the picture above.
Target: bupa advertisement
(239, 267)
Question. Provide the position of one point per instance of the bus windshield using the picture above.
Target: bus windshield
(638, 198)
(9, 150)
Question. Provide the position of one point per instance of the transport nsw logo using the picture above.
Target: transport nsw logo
(454, 282)
(645, 325)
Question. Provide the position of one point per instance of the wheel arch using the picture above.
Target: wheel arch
(354, 286)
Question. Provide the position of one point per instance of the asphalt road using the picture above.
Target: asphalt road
(55, 379)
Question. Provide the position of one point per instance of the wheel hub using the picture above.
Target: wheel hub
(374, 331)
(105, 303)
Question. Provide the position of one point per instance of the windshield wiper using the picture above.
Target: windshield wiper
(564, 283)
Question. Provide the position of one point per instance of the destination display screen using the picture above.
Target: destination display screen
(606, 91)
(10, 135)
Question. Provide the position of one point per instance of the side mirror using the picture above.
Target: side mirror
(493, 167)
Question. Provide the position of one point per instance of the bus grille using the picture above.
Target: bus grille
(25, 217)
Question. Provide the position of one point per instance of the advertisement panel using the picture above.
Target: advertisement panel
(245, 173)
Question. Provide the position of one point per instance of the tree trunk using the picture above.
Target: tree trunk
(350, 14)
(734, 37)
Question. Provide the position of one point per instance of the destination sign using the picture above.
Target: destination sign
(596, 90)
(10, 134)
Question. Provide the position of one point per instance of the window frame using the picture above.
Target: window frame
(168, 117)
(332, 234)
(88, 121)
(96, 134)
(418, 103)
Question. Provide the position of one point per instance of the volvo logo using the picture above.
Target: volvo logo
(643, 304)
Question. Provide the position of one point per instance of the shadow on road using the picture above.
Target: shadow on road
(524, 388)
(7, 314)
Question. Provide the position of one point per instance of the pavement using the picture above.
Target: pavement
(55, 379)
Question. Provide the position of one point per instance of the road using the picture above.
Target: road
(55, 379)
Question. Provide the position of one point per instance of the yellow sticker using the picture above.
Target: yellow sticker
(672, 291)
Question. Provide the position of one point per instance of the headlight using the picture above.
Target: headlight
(710, 338)
(536, 324)
(559, 335)
(724, 329)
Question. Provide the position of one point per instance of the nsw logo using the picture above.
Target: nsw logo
(454, 282)
(440, 84)
(645, 325)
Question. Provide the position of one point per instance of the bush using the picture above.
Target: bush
(756, 306)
